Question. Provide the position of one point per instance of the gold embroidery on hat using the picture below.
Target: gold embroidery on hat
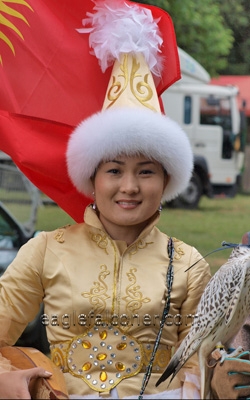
(117, 88)
(134, 298)
(98, 293)
(140, 89)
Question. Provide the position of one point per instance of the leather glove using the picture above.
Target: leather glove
(231, 378)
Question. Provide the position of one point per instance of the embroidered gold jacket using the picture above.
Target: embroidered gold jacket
(102, 302)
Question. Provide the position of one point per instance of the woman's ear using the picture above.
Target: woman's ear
(166, 181)
(93, 184)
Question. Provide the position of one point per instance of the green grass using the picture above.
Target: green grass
(50, 217)
(205, 228)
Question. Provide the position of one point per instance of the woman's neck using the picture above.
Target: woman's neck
(127, 234)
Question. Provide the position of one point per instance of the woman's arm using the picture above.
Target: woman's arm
(21, 293)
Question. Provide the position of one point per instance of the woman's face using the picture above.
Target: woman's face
(128, 192)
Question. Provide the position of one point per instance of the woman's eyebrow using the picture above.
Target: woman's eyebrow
(116, 161)
(139, 163)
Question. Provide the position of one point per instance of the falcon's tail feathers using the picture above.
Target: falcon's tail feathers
(173, 367)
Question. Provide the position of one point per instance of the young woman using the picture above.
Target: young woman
(104, 283)
(116, 291)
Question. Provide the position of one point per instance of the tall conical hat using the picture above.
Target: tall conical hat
(131, 121)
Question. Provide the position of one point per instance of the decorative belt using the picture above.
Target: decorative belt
(103, 356)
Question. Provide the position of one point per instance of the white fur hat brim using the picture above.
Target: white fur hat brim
(129, 131)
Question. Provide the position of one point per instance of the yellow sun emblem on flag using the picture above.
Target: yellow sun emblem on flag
(7, 10)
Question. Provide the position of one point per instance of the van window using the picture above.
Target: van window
(187, 109)
(216, 111)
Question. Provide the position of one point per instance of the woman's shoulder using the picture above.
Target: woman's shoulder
(180, 246)
(60, 235)
(66, 229)
(195, 263)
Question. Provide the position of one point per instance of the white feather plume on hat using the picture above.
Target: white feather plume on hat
(127, 36)
(118, 27)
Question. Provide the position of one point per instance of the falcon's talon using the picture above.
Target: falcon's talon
(234, 353)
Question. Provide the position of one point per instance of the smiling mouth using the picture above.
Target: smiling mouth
(129, 203)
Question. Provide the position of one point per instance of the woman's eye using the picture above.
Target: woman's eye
(113, 171)
(146, 172)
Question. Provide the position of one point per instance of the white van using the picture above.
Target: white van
(210, 116)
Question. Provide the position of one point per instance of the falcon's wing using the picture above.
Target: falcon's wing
(218, 300)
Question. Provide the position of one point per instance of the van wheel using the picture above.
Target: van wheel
(190, 197)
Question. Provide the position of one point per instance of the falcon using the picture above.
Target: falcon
(222, 310)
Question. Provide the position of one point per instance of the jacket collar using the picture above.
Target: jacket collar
(91, 218)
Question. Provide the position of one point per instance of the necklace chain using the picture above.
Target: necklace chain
(169, 279)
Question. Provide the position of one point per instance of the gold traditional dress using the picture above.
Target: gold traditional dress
(103, 302)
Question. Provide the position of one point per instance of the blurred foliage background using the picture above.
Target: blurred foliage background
(215, 32)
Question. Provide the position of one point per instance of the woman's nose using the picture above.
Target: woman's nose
(129, 184)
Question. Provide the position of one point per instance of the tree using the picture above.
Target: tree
(201, 30)
(236, 16)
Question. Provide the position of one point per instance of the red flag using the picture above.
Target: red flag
(50, 170)
(51, 73)
(47, 72)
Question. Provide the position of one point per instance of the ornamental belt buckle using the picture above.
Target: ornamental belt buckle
(103, 356)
